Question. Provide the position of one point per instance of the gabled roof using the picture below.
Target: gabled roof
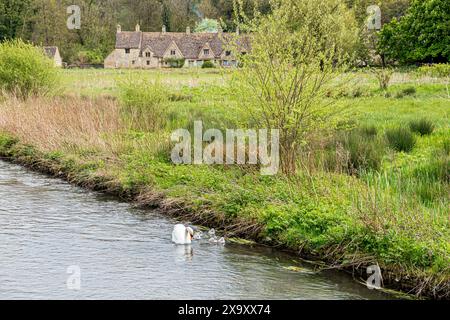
(50, 51)
(189, 44)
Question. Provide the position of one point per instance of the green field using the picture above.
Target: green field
(392, 209)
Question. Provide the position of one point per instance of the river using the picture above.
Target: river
(58, 241)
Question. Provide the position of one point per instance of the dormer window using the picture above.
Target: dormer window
(148, 54)
(227, 53)
(173, 52)
(206, 52)
(127, 51)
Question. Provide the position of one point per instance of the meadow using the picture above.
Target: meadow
(373, 191)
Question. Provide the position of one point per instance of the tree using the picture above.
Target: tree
(422, 35)
(296, 52)
(12, 22)
(207, 25)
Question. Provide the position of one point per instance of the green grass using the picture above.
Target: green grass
(394, 211)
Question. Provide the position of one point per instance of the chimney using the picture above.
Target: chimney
(237, 30)
(163, 29)
(138, 28)
(188, 30)
(119, 28)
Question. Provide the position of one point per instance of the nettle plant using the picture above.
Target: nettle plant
(296, 54)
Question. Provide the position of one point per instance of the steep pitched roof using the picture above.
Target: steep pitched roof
(50, 51)
(189, 44)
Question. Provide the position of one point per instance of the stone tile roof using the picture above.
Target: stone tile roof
(190, 44)
(50, 51)
(128, 40)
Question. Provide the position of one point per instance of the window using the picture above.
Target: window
(133, 62)
(173, 52)
(127, 51)
(206, 52)
(148, 54)
(228, 53)
(148, 62)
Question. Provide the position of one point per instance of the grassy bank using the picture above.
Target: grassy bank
(383, 207)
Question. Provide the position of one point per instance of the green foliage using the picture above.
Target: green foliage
(422, 126)
(435, 70)
(90, 57)
(419, 36)
(144, 104)
(408, 91)
(207, 25)
(208, 64)
(175, 62)
(355, 151)
(12, 18)
(25, 69)
(383, 76)
(400, 139)
(295, 53)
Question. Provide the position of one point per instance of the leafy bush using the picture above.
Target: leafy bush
(435, 70)
(25, 69)
(400, 139)
(422, 126)
(89, 56)
(420, 35)
(144, 104)
(383, 76)
(207, 25)
(208, 64)
(175, 62)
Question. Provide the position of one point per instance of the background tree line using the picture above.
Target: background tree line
(43, 22)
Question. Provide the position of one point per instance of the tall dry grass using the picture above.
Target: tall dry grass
(61, 123)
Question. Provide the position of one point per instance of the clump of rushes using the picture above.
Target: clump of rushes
(369, 131)
(422, 126)
(409, 91)
(355, 151)
(400, 139)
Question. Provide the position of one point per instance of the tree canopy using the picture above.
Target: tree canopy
(422, 35)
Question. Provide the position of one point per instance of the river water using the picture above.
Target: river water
(58, 241)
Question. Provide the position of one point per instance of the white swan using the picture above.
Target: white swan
(182, 234)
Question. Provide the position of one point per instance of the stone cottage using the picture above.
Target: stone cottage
(143, 50)
(53, 53)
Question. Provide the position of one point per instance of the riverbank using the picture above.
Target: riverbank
(339, 255)
(393, 214)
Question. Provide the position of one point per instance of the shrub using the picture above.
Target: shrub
(25, 69)
(435, 70)
(400, 139)
(422, 126)
(144, 104)
(89, 56)
(175, 62)
(208, 64)
(383, 76)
